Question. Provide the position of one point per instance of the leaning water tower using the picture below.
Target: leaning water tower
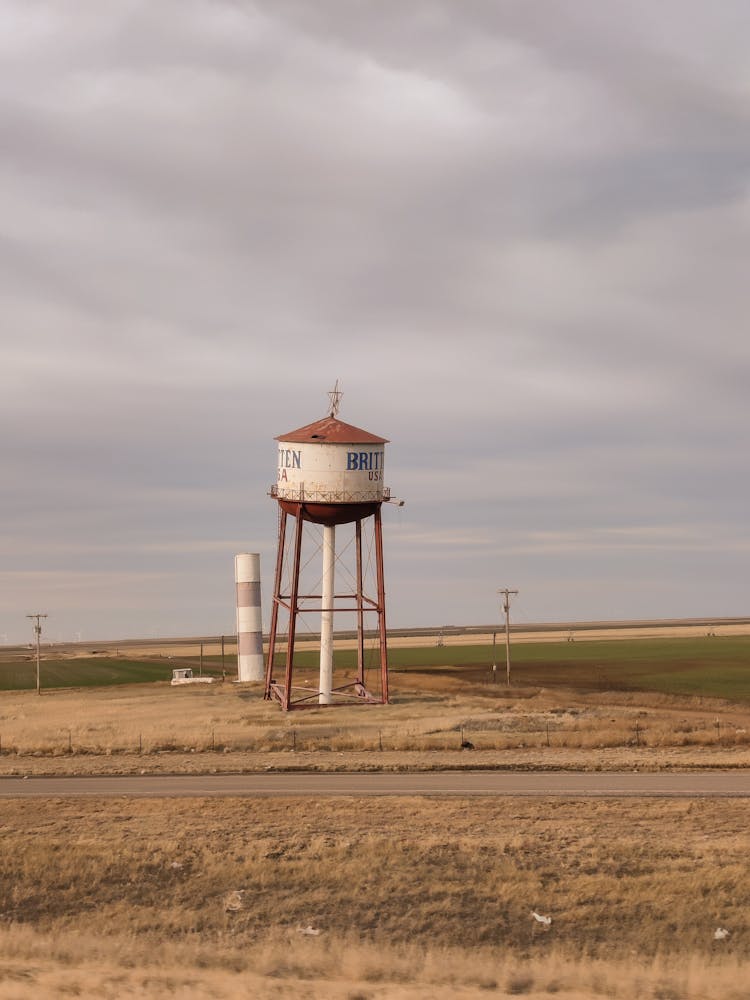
(330, 474)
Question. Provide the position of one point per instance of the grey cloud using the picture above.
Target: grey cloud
(516, 232)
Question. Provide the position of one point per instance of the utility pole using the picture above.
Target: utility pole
(38, 632)
(507, 594)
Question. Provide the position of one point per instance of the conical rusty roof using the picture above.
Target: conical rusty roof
(331, 430)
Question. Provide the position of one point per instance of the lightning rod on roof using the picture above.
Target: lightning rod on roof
(335, 397)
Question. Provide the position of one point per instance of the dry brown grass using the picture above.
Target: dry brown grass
(415, 898)
(70, 965)
(227, 726)
(123, 898)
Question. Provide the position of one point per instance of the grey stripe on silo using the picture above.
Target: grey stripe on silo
(248, 594)
(249, 620)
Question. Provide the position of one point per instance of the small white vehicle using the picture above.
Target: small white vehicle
(184, 675)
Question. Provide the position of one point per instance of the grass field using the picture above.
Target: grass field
(718, 668)
(410, 898)
(20, 675)
(226, 726)
(715, 667)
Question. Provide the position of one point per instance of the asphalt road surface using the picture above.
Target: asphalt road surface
(727, 784)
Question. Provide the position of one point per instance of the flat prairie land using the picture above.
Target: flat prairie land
(374, 898)
(711, 665)
(553, 716)
(367, 899)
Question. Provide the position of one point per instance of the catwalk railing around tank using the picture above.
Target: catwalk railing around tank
(304, 495)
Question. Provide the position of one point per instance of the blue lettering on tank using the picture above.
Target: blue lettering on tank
(289, 459)
(364, 461)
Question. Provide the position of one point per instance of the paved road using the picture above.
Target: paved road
(732, 784)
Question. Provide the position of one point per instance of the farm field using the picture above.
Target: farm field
(664, 703)
(717, 667)
(20, 675)
(411, 897)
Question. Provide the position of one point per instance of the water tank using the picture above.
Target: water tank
(330, 472)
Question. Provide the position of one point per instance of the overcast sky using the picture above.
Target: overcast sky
(517, 231)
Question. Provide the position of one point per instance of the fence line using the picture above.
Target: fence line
(461, 737)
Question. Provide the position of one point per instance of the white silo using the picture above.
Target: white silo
(249, 618)
(329, 473)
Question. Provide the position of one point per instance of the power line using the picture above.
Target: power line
(507, 594)
(38, 632)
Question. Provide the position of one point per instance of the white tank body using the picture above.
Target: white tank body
(330, 462)
(330, 473)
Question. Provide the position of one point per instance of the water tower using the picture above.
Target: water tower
(329, 474)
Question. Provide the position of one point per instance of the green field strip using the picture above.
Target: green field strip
(710, 666)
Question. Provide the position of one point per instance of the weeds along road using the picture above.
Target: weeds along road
(727, 784)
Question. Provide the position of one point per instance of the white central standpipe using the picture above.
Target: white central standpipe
(325, 696)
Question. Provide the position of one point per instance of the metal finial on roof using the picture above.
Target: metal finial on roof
(335, 397)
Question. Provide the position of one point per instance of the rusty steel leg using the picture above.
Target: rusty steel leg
(381, 607)
(275, 603)
(293, 611)
(360, 607)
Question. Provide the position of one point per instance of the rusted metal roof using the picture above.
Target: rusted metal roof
(331, 430)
